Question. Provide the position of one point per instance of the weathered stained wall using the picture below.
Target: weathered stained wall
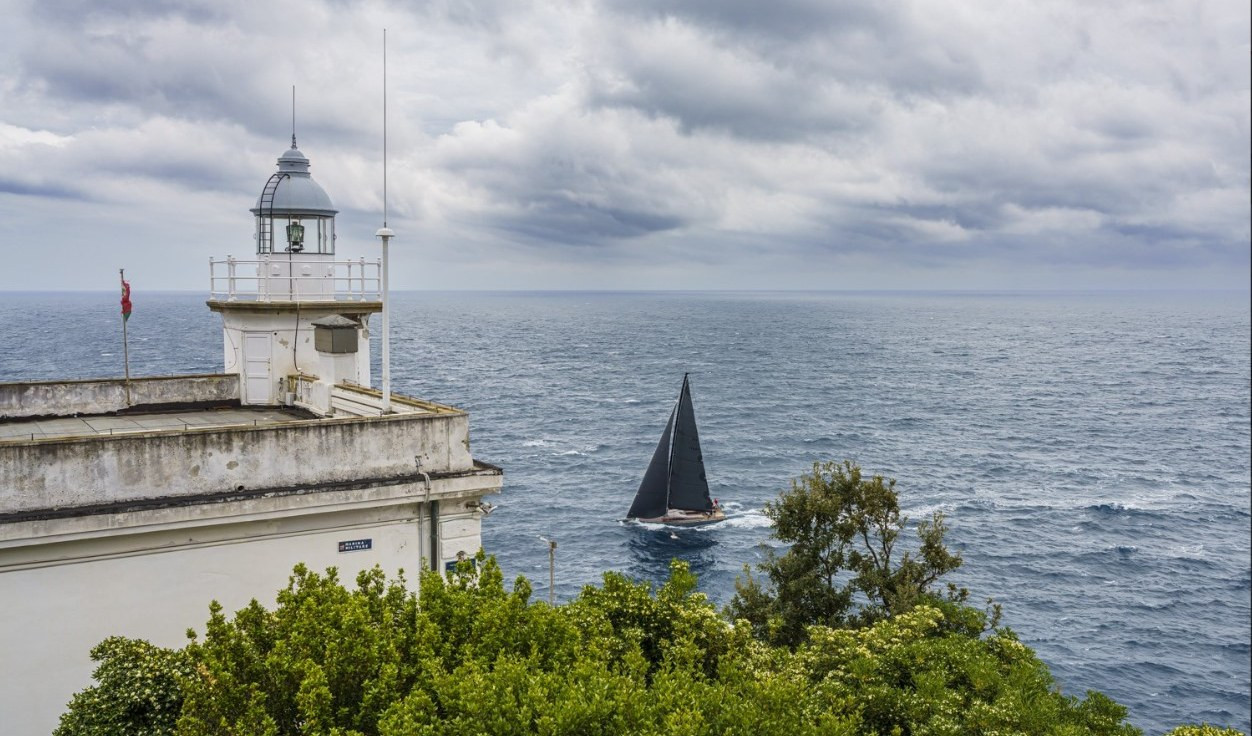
(102, 396)
(88, 471)
(68, 583)
(56, 614)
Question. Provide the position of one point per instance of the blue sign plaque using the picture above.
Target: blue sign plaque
(356, 545)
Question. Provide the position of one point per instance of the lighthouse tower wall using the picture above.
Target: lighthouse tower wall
(267, 344)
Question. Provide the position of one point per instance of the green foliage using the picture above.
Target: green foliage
(843, 530)
(913, 674)
(470, 656)
(1203, 729)
(137, 691)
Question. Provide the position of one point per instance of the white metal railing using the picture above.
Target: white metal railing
(279, 278)
(302, 387)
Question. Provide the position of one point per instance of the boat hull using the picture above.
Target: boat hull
(679, 517)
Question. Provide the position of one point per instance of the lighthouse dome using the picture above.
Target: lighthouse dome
(295, 192)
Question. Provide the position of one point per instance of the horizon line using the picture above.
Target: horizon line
(932, 290)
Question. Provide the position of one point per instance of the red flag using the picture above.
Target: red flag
(125, 300)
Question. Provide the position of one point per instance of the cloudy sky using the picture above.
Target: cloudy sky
(639, 144)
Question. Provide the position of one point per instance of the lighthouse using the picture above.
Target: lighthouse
(295, 320)
(126, 505)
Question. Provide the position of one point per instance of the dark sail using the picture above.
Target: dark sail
(688, 488)
(652, 497)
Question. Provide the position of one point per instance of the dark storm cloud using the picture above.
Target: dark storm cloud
(73, 14)
(885, 137)
(120, 65)
(770, 104)
(882, 44)
(212, 61)
(551, 220)
(781, 18)
(785, 71)
(1069, 176)
(556, 184)
(988, 216)
(53, 191)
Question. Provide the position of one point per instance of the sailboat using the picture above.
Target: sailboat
(674, 489)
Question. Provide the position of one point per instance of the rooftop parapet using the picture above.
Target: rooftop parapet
(105, 395)
(98, 471)
(47, 475)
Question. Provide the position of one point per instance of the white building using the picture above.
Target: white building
(125, 507)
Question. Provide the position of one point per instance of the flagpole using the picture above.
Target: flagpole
(125, 343)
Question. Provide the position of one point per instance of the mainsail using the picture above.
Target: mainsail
(675, 478)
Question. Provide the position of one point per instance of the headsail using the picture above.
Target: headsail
(674, 480)
(652, 498)
(688, 487)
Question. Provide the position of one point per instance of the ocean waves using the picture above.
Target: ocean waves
(1089, 451)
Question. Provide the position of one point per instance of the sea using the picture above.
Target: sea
(1089, 450)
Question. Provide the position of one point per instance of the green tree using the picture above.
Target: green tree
(844, 566)
(915, 674)
(469, 656)
(138, 691)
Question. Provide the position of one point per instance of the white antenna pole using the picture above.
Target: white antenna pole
(293, 116)
(384, 127)
(386, 234)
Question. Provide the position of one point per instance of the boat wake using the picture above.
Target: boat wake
(749, 519)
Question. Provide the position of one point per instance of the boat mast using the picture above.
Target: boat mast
(673, 438)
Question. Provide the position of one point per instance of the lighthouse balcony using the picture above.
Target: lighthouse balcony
(288, 277)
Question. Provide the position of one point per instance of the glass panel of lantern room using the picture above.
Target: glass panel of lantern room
(326, 235)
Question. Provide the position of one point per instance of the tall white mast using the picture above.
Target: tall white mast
(386, 234)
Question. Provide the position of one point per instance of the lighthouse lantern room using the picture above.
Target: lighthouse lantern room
(292, 204)
(269, 305)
